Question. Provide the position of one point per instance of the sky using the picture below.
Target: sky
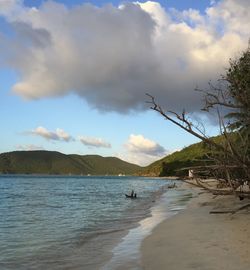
(74, 74)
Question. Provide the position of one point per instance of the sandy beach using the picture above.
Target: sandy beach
(196, 239)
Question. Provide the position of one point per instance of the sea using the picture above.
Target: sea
(83, 222)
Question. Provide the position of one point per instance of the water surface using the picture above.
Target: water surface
(68, 222)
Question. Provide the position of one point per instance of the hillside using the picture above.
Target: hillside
(174, 163)
(49, 162)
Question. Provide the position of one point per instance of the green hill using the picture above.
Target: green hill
(48, 162)
(174, 163)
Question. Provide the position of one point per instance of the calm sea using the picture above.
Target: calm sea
(79, 222)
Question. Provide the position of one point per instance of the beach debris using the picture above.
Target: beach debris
(172, 186)
(132, 195)
(219, 191)
(230, 211)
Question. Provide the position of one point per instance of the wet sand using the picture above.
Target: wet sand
(195, 239)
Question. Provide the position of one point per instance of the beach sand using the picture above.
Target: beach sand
(195, 239)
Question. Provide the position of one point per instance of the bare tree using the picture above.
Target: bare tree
(231, 99)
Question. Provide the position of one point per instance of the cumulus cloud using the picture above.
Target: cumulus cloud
(94, 142)
(29, 147)
(58, 135)
(111, 56)
(139, 144)
(142, 151)
(10, 8)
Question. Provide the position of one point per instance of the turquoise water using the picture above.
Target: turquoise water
(77, 222)
(69, 222)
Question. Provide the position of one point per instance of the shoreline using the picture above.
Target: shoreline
(195, 239)
(165, 204)
(77, 244)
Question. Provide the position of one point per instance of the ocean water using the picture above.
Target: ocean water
(79, 222)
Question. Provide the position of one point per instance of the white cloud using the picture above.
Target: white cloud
(139, 144)
(29, 147)
(62, 135)
(58, 135)
(94, 142)
(136, 158)
(111, 56)
(10, 8)
(232, 15)
(142, 151)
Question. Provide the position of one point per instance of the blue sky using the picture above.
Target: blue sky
(179, 4)
(74, 79)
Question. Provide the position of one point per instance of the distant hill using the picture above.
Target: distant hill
(50, 162)
(174, 163)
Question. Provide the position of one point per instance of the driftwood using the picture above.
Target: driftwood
(172, 186)
(202, 185)
(233, 211)
(222, 212)
(230, 192)
(216, 192)
(191, 183)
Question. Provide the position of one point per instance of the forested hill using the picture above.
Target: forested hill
(173, 164)
(49, 162)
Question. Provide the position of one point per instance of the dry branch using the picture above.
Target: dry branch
(232, 211)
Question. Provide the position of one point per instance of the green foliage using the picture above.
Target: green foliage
(171, 164)
(175, 164)
(48, 162)
(238, 77)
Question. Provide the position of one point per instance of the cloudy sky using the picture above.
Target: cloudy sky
(74, 73)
